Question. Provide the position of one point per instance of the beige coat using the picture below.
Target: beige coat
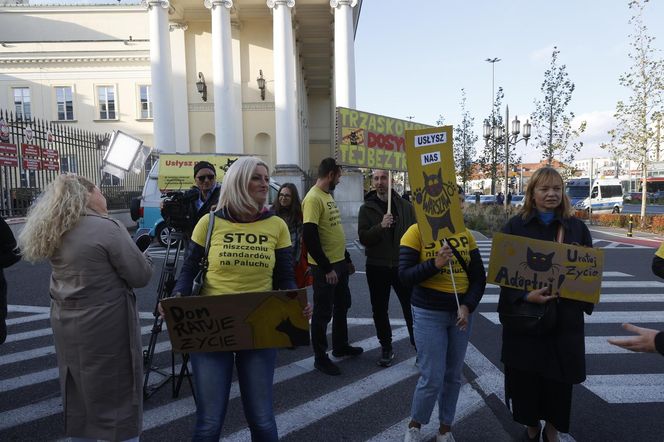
(96, 329)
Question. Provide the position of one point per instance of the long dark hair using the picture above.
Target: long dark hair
(292, 214)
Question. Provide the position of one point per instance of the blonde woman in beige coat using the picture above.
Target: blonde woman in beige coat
(95, 265)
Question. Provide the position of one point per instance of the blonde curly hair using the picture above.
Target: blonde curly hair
(56, 211)
(234, 194)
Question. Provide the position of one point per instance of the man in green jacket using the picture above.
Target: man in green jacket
(380, 233)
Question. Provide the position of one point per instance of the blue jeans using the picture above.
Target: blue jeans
(213, 376)
(441, 348)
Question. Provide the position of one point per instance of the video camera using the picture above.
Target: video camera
(176, 210)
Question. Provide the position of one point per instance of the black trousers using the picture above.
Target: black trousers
(534, 398)
(381, 280)
(330, 302)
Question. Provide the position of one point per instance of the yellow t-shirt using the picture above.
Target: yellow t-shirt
(319, 207)
(463, 242)
(660, 251)
(241, 257)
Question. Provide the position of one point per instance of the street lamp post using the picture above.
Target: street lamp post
(498, 135)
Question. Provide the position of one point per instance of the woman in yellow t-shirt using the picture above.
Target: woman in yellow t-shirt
(441, 329)
(250, 251)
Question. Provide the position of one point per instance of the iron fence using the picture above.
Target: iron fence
(33, 152)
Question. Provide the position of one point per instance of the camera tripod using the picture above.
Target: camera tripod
(176, 245)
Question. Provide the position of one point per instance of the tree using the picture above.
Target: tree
(551, 120)
(493, 155)
(464, 143)
(634, 136)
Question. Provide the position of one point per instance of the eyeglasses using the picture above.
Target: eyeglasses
(202, 178)
(283, 195)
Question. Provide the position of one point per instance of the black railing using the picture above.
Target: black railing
(33, 152)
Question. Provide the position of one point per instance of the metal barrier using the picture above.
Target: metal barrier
(33, 152)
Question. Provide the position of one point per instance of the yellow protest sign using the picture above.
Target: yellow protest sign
(237, 322)
(176, 171)
(369, 140)
(435, 194)
(572, 272)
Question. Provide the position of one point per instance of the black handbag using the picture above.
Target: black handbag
(529, 318)
(197, 285)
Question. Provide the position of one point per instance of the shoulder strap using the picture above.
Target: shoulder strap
(204, 260)
(459, 258)
(560, 237)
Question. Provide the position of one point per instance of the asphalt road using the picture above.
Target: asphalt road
(623, 398)
(651, 209)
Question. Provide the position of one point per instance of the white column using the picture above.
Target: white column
(180, 99)
(285, 91)
(237, 89)
(344, 53)
(222, 69)
(160, 63)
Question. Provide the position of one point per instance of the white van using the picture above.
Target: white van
(147, 209)
(606, 194)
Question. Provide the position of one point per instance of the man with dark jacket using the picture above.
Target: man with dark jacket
(380, 233)
(8, 256)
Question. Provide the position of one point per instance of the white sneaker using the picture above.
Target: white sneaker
(412, 435)
(447, 437)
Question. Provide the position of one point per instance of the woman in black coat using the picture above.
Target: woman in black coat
(541, 369)
(8, 256)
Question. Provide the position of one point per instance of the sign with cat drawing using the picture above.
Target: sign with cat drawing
(435, 194)
(237, 322)
(572, 272)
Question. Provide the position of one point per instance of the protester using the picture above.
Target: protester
(9, 256)
(541, 369)
(509, 198)
(241, 216)
(647, 339)
(380, 233)
(289, 208)
(441, 328)
(94, 317)
(331, 266)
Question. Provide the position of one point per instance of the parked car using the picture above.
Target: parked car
(517, 200)
(470, 199)
(488, 199)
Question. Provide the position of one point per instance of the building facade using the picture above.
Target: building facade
(244, 76)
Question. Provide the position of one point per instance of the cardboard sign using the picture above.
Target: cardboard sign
(176, 171)
(572, 272)
(435, 194)
(370, 140)
(237, 322)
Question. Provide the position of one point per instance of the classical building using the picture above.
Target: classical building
(229, 76)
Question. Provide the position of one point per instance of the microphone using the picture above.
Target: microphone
(143, 242)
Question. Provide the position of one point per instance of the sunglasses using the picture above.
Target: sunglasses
(203, 177)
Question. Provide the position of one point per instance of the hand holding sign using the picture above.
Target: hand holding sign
(444, 256)
(540, 296)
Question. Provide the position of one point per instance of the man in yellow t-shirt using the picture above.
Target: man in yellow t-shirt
(331, 265)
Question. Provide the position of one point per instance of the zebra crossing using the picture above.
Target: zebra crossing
(311, 406)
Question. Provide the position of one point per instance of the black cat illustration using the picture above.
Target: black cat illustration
(436, 200)
(298, 336)
(539, 261)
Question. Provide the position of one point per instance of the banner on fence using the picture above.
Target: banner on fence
(572, 272)
(176, 171)
(371, 140)
(8, 155)
(432, 178)
(237, 322)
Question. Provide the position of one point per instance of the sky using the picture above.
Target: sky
(412, 58)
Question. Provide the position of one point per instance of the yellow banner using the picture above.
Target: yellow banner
(370, 140)
(572, 272)
(435, 194)
(176, 171)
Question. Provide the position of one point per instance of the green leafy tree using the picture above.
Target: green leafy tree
(552, 122)
(464, 143)
(634, 136)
